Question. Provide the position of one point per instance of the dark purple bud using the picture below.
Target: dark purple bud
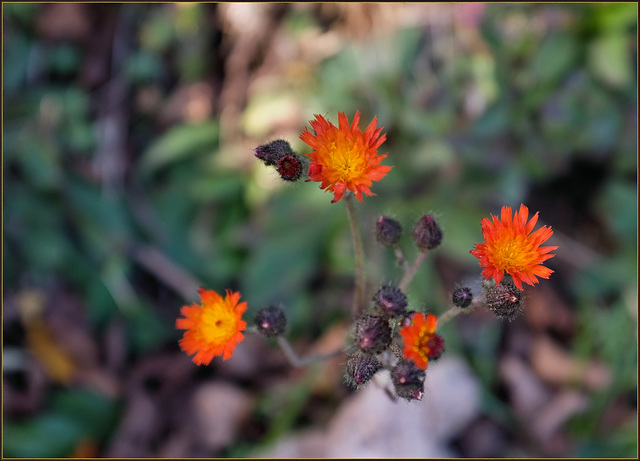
(388, 231)
(427, 233)
(271, 321)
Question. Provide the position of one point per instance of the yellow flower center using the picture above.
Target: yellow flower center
(218, 324)
(422, 340)
(513, 253)
(347, 162)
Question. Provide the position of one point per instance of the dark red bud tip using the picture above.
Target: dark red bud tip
(290, 167)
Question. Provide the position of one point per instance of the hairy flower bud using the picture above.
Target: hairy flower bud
(271, 321)
(360, 369)
(272, 152)
(504, 300)
(427, 233)
(462, 297)
(290, 167)
(388, 231)
(408, 380)
(390, 301)
(373, 334)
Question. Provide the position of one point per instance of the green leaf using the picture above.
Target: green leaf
(610, 59)
(180, 143)
(74, 416)
(555, 57)
(145, 328)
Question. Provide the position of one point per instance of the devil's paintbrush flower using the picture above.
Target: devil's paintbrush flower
(510, 247)
(421, 342)
(213, 328)
(344, 158)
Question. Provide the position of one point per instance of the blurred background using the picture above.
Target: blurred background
(129, 180)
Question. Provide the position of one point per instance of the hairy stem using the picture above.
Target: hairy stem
(359, 256)
(454, 311)
(408, 275)
(400, 259)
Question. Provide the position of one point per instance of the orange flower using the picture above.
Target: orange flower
(213, 328)
(345, 157)
(510, 246)
(421, 343)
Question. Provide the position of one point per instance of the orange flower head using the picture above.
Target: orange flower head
(213, 328)
(345, 157)
(510, 246)
(421, 342)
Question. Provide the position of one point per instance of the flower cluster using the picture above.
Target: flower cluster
(386, 334)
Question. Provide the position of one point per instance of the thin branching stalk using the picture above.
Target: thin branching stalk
(408, 275)
(299, 362)
(454, 311)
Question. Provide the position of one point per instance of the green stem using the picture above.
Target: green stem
(359, 257)
(408, 275)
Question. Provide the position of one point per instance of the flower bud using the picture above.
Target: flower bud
(408, 380)
(462, 297)
(373, 334)
(290, 167)
(427, 233)
(271, 153)
(390, 301)
(271, 321)
(360, 369)
(388, 231)
(504, 300)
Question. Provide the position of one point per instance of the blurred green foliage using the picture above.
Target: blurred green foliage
(554, 86)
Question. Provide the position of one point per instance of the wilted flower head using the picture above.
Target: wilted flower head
(504, 300)
(213, 328)
(510, 246)
(344, 158)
